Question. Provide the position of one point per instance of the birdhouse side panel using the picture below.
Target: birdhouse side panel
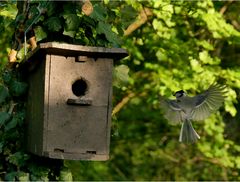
(36, 107)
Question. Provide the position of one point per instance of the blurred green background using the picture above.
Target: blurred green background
(172, 45)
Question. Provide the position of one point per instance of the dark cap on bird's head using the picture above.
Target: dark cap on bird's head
(179, 93)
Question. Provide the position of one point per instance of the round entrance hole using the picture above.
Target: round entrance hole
(79, 87)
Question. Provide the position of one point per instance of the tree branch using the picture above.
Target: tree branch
(224, 8)
(141, 19)
(123, 102)
(235, 24)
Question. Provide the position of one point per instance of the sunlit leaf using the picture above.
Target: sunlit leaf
(22, 176)
(121, 75)
(65, 175)
(21, 53)
(39, 33)
(69, 33)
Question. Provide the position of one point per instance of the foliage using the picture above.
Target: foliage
(58, 22)
(7, 14)
(181, 45)
(66, 22)
(16, 164)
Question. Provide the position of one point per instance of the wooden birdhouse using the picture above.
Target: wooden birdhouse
(69, 101)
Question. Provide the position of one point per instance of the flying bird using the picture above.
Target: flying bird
(185, 109)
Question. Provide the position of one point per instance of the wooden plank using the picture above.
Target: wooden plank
(77, 156)
(72, 50)
(77, 129)
(35, 110)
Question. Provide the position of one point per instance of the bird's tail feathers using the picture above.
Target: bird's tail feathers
(188, 134)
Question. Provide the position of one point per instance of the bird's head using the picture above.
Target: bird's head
(179, 94)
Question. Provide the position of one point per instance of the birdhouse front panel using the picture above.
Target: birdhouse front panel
(79, 102)
(69, 101)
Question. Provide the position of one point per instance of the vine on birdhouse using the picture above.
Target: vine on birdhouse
(75, 22)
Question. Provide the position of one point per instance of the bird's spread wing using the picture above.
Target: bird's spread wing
(171, 109)
(208, 102)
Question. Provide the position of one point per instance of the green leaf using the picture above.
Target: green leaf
(4, 116)
(10, 176)
(21, 54)
(121, 75)
(65, 175)
(54, 24)
(51, 8)
(11, 124)
(39, 33)
(71, 22)
(33, 14)
(9, 11)
(99, 12)
(18, 88)
(38, 172)
(218, 25)
(22, 176)
(42, 4)
(196, 66)
(69, 7)
(1, 146)
(207, 59)
(105, 28)
(205, 44)
(128, 15)
(69, 33)
(18, 159)
(89, 21)
(3, 93)
(7, 77)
